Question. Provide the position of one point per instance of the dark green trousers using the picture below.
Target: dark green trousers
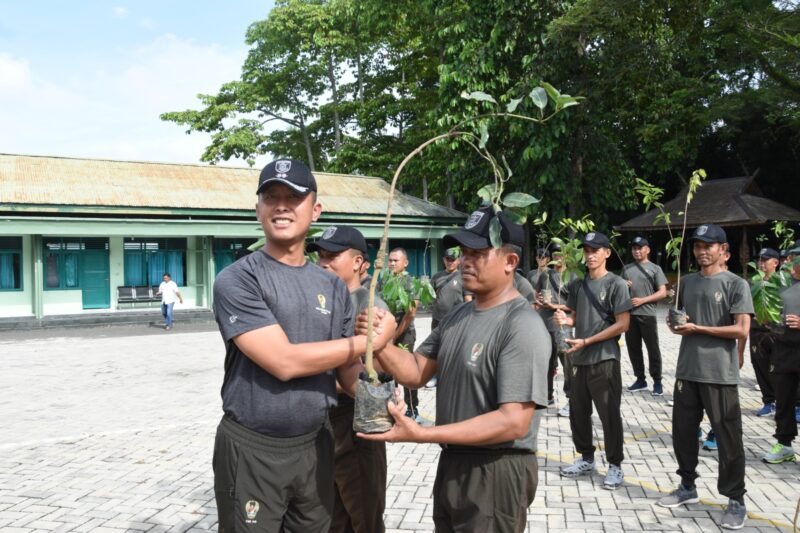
(484, 491)
(721, 404)
(599, 384)
(268, 484)
(761, 344)
(360, 476)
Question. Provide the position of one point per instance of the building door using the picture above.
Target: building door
(94, 276)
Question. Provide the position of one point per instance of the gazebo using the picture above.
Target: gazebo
(736, 204)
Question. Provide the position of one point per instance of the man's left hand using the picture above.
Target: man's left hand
(637, 302)
(405, 429)
(576, 344)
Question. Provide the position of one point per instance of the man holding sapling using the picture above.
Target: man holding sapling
(718, 306)
(542, 266)
(785, 369)
(448, 287)
(648, 286)
(359, 465)
(599, 308)
(491, 355)
(288, 330)
(762, 340)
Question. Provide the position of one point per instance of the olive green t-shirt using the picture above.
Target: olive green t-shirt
(449, 290)
(611, 292)
(711, 301)
(489, 357)
(644, 284)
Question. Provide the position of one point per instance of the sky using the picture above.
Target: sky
(89, 78)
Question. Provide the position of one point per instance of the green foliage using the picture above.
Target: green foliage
(784, 234)
(767, 301)
(401, 292)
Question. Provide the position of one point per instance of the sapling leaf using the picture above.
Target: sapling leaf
(484, 129)
(487, 192)
(481, 96)
(539, 97)
(495, 233)
(512, 104)
(519, 199)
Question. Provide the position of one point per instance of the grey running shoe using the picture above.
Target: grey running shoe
(614, 478)
(779, 454)
(580, 467)
(679, 496)
(734, 516)
(564, 411)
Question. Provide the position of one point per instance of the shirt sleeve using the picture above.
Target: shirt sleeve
(523, 359)
(238, 304)
(620, 297)
(430, 346)
(572, 294)
(348, 321)
(661, 279)
(741, 298)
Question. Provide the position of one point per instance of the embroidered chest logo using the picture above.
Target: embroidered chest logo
(718, 297)
(233, 318)
(477, 351)
(321, 299)
(603, 295)
(251, 510)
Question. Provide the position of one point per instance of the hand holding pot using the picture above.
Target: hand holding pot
(686, 329)
(560, 318)
(576, 344)
(405, 429)
(793, 321)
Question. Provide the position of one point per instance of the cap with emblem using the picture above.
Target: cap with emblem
(451, 253)
(709, 233)
(768, 253)
(475, 233)
(596, 240)
(542, 252)
(338, 239)
(291, 172)
(639, 241)
(554, 247)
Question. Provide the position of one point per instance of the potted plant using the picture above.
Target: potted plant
(651, 197)
(474, 132)
(767, 302)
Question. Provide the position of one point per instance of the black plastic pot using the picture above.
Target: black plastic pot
(677, 317)
(561, 335)
(371, 414)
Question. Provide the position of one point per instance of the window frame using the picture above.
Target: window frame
(18, 252)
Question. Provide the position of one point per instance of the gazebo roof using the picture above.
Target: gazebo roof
(727, 202)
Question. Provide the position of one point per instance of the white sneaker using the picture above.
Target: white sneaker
(580, 467)
(564, 411)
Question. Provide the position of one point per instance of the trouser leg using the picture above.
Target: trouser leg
(721, 403)
(785, 396)
(551, 367)
(760, 348)
(649, 329)
(687, 412)
(566, 366)
(411, 397)
(633, 340)
(605, 386)
(580, 410)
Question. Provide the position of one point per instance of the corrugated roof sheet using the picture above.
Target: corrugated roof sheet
(63, 181)
(726, 202)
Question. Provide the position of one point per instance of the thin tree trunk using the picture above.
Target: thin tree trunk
(425, 188)
(307, 142)
(337, 141)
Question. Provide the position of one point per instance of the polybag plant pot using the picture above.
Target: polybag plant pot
(371, 414)
(561, 335)
(677, 317)
(547, 296)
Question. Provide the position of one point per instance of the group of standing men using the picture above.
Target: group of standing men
(285, 456)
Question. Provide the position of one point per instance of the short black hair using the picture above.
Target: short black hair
(512, 249)
(166, 274)
(401, 250)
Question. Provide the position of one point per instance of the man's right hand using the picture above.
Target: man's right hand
(386, 330)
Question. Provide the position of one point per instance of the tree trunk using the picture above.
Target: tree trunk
(307, 142)
(425, 188)
(451, 203)
(337, 142)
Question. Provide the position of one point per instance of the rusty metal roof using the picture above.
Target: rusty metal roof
(727, 202)
(61, 181)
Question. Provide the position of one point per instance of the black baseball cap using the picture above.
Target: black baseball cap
(451, 253)
(769, 253)
(709, 233)
(338, 239)
(596, 240)
(554, 247)
(475, 233)
(542, 252)
(784, 254)
(290, 172)
(639, 241)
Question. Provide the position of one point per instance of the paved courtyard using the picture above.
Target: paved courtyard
(111, 429)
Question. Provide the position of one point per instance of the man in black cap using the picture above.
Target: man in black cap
(288, 330)
(600, 311)
(718, 307)
(359, 465)
(491, 355)
(785, 369)
(448, 286)
(542, 266)
(761, 340)
(648, 286)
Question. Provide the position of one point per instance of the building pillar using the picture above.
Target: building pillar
(210, 270)
(37, 276)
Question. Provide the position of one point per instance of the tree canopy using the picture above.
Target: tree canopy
(354, 85)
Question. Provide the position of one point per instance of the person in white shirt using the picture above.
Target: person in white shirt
(168, 290)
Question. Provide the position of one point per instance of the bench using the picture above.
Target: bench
(137, 294)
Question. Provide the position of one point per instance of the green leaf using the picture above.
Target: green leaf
(484, 129)
(519, 199)
(517, 215)
(512, 105)
(552, 92)
(495, 233)
(539, 97)
(487, 192)
(481, 97)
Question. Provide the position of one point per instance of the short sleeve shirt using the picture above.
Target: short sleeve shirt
(785, 356)
(524, 287)
(489, 357)
(169, 292)
(559, 293)
(712, 301)
(360, 299)
(534, 275)
(611, 292)
(449, 292)
(644, 284)
(310, 305)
